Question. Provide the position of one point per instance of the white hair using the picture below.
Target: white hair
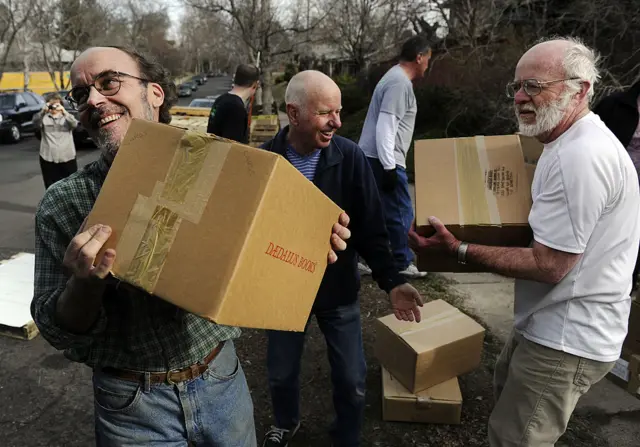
(295, 93)
(580, 62)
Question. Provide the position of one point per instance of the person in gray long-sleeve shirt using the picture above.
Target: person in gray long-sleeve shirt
(57, 150)
(385, 139)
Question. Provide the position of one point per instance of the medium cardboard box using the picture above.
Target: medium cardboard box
(228, 232)
(479, 187)
(632, 342)
(445, 344)
(440, 404)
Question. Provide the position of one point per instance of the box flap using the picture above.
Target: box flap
(155, 217)
(448, 391)
(531, 149)
(441, 324)
(479, 181)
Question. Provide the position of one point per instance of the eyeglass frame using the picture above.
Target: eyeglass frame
(541, 84)
(116, 73)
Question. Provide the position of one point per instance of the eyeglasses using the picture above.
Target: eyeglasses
(532, 87)
(107, 84)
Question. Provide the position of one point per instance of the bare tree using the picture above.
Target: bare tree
(265, 31)
(362, 28)
(62, 29)
(14, 15)
(208, 41)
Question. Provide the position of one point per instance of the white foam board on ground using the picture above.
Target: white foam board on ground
(16, 289)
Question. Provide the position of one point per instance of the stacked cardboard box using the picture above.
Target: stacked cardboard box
(421, 363)
(483, 189)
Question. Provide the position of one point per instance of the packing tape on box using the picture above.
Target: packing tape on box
(154, 221)
(476, 201)
(418, 343)
(431, 321)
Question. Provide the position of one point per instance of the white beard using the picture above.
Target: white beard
(548, 116)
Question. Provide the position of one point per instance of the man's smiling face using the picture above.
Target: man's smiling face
(107, 117)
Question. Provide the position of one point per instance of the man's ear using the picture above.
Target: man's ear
(293, 114)
(584, 89)
(156, 95)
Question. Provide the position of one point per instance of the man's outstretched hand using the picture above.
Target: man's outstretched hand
(406, 302)
(442, 240)
(339, 236)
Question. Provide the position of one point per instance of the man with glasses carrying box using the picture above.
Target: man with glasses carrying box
(161, 375)
(572, 285)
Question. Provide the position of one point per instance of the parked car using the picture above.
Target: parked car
(202, 102)
(198, 79)
(81, 137)
(192, 84)
(184, 90)
(17, 109)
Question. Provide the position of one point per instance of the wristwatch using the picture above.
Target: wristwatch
(462, 252)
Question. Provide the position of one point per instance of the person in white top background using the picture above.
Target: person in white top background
(57, 149)
(572, 284)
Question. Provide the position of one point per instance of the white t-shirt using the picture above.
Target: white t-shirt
(585, 200)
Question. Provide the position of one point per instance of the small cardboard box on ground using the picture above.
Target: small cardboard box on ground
(440, 404)
(231, 233)
(444, 345)
(479, 187)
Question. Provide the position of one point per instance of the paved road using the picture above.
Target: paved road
(214, 86)
(45, 400)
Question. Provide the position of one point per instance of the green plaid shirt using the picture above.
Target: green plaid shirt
(135, 330)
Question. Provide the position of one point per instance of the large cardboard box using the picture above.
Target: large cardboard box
(228, 232)
(440, 404)
(479, 187)
(444, 345)
(632, 342)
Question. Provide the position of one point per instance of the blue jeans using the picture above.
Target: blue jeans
(213, 410)
(342, 332)
(398, 213)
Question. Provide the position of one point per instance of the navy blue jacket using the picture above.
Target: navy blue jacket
(344, 175)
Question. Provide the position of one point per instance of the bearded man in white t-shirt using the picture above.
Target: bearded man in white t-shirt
(572, 284)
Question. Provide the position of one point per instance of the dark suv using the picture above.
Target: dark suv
(81, 137)
(16, 114)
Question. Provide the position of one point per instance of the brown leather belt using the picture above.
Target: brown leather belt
(171, 377)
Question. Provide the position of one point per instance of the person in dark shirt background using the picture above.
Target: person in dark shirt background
(228, 117)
